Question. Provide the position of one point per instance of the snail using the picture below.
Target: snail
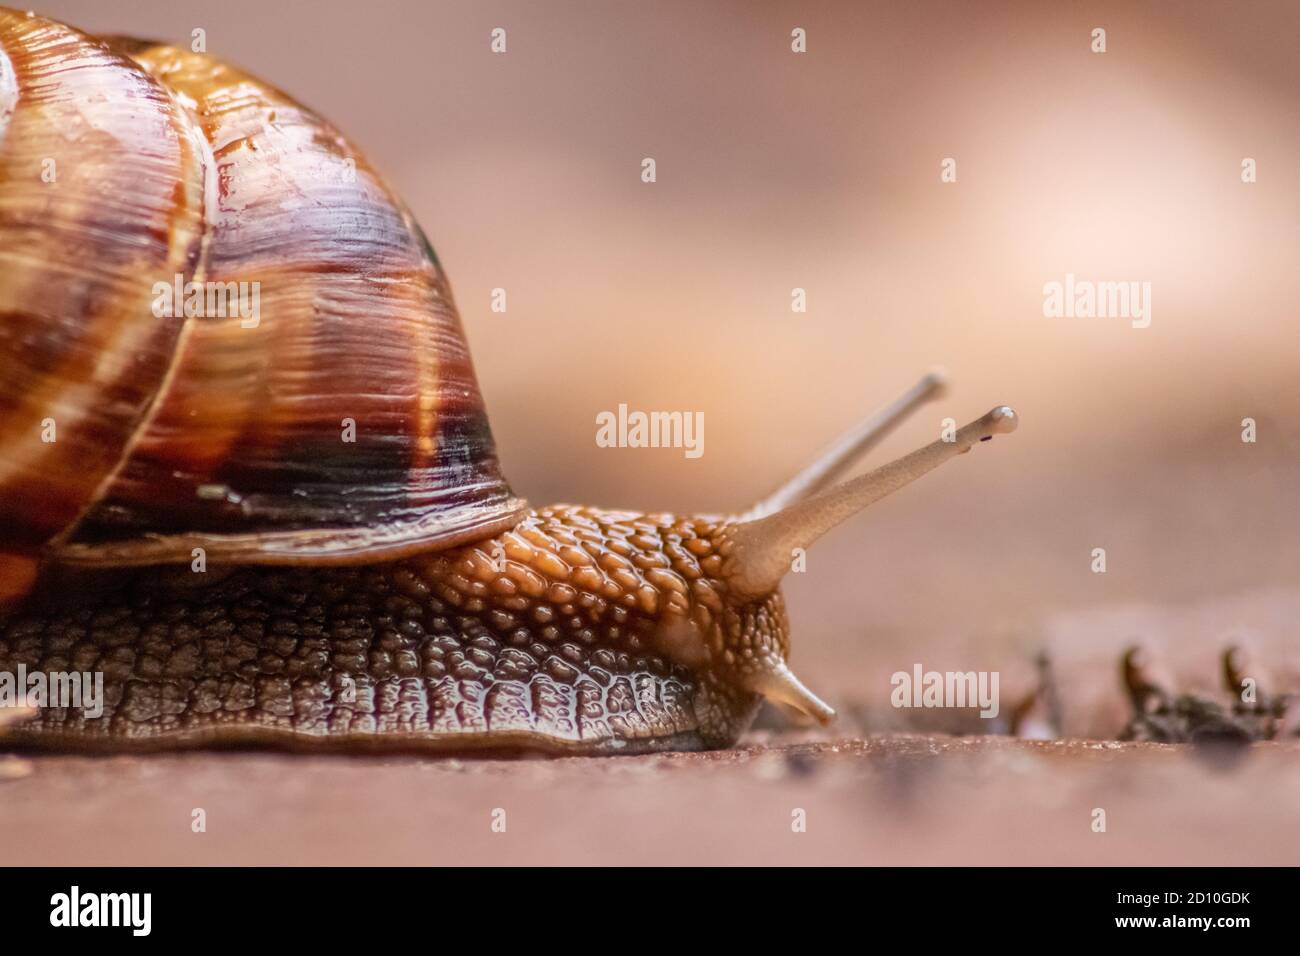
(291, 529)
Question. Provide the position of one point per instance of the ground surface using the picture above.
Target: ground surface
(887, 799)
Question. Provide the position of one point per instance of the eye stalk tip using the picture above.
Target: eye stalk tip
(1003, 420)
(935, 383)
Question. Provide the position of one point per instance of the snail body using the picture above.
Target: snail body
(556, 646)
(291, 529)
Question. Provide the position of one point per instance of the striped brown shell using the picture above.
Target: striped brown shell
(125, 164)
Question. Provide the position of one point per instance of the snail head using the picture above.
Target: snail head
(746, 645)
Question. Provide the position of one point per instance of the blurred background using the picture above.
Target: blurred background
(821, 171)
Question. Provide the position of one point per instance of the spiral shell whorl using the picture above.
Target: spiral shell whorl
(342, 422)
(96, 190)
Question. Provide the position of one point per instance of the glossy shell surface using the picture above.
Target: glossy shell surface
(331, 415)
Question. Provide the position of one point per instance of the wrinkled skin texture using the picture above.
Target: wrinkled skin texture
(578, 631)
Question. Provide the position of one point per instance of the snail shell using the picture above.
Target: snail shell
(172, 433)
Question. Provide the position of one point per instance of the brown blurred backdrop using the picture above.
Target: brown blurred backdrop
(821, 171)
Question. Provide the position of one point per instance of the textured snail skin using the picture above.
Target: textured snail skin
(578, 631)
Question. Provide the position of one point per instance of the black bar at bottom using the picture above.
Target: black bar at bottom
(238, 905)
